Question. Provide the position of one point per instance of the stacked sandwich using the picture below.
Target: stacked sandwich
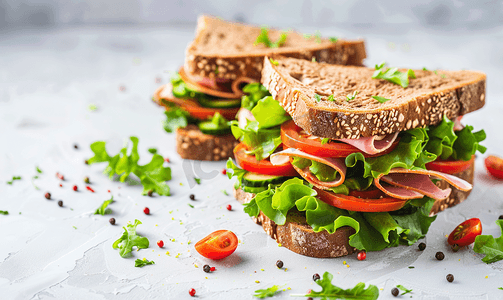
(343, 158)
(224, 64)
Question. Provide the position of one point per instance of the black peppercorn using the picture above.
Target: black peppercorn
(150, 193)
(449, 277)
(86, 162)
(500, 217)
(455, 248)
(279, 264)
(316, 276)
(421, 246)
(309, 298)
(192, 197)
(76, 146)
(206, 268)
(394, 292)
(439, 255)
(86, 179)
(47, 195)
(60, 203)
(112, 221)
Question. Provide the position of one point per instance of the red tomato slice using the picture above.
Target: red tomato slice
(250, 164)
(368, 194)
(218, 244)
(203, 113)
(465, 233)
(450, 166)
(292, 138)
(494, 165)
(358, 204)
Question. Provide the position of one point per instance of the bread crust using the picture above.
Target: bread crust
(297, 236)
(336, 123)
(191, 143)
(239, 64)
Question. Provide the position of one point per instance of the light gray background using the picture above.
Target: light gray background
(57, 57)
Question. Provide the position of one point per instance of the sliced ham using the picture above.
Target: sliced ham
(418, 181)
(336, 163)
(457, 124)
(373, 144)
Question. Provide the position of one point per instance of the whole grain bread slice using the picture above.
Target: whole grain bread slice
(227, 50)
(297, 236)
(433, 94)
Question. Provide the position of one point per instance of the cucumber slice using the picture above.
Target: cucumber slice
(260, 180)
(231, 103)
(208, 127)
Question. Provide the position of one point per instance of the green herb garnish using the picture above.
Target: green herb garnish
(190, 205)
(92, 107)
(4, 212)
(274, 62)
(404, 289)
(14, 178)
(225, 192)
(333, 39)
(268, 292)
(152, 150)
(351, 96)
(38, 170)
(331, 98)
(197, 180)
(140, 263)
(491, 247)
(130, 239)
(103, 210)
(317, 97)
(152, 175)
(393, 75)
(263, 38)
(325, 141)
(380, 99)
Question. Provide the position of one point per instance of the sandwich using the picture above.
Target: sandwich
(353, 159)
(222, 65)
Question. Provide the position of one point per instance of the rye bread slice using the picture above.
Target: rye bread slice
(297, 236)
(226, 50)
(191, 143)
(424, 102)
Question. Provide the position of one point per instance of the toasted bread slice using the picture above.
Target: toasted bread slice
(294, 83)
(300, 238)
(227, 50)
(191, 143)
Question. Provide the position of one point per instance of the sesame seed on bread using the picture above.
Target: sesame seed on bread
(227, 50)
(294, 83)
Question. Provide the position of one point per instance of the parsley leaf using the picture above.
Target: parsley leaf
(274, 62)
(176, 117)
(351, 96)
(254, 92)
(102, 210)
(263, 38)
(152, 175)
(140, 263)
(500, 288)
(317, 97)
(190, 205)
(268, 292)
(393, 75)
(152, 150)
(491, 247)
(380, 99)
(331, 98)
(404, 289)
(225, 192)
(333, 39)
(330, 291)
(325, 141)
(130, 239)
(38, 170)
(197, 180)
(233, 170)
(4, 212)
(92, 107)
(14, 178)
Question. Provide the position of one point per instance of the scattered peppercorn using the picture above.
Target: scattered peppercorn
(122, 89)
(394, 292)
(166, 160)
(449, 277)
(500, 217)
(112, 221)
(362, 255)
(309, 298)
(146, 210)
(150, 193)
(160, 243)
(192, 292)
(279, 264)
(47, 195)
(192, 197)
(455, 248)
(76, 146)
(86, 179)
(229, 207)
(86, 162)
(422, 246)
(316, 276)
(75, 188)
(60, 203)
(60, 185)
(60, 176)
(439, 255)
(224, 171)
(206, 268)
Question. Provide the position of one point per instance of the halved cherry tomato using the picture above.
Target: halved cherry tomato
(250, 163)
(203, 113)
(450, 166)
(357, 204)
(292, 138)
(218, 244)
(494, 165)
(465, 233)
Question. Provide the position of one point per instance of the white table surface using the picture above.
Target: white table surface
(49, 77)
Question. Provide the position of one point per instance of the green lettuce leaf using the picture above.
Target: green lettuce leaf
(140, 263)
(416, 224)
(262, 142)
(441, 138)
(269, 113)
(233, 170)
(102, 210)
(152, 175)
(130, 239)
(253, 93)
(332, 292)
(176, 117)
(491, 247)
(321, 171)
(467, 143)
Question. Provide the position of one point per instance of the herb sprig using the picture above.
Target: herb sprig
(263, 38)
(103, 210)
(130, 239)
(393, 75)
(381, 99)
(268, 292)
(140, 263)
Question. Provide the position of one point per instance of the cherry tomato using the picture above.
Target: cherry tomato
(450, 166)
(362, 255)
(218, 244)
(358, 204)
(494, 165)
(291, 137)
(465, 233)
(250, 164)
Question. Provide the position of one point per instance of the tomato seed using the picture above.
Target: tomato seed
(192, 292)
(47, 196)
(160, 243)
(229, 207)
(362, 255)
(316, 276)
(394, 292)
(206, 268)
(146, 210)
(112, 221)
(439, 255)
(449, 277)
(422, 246)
